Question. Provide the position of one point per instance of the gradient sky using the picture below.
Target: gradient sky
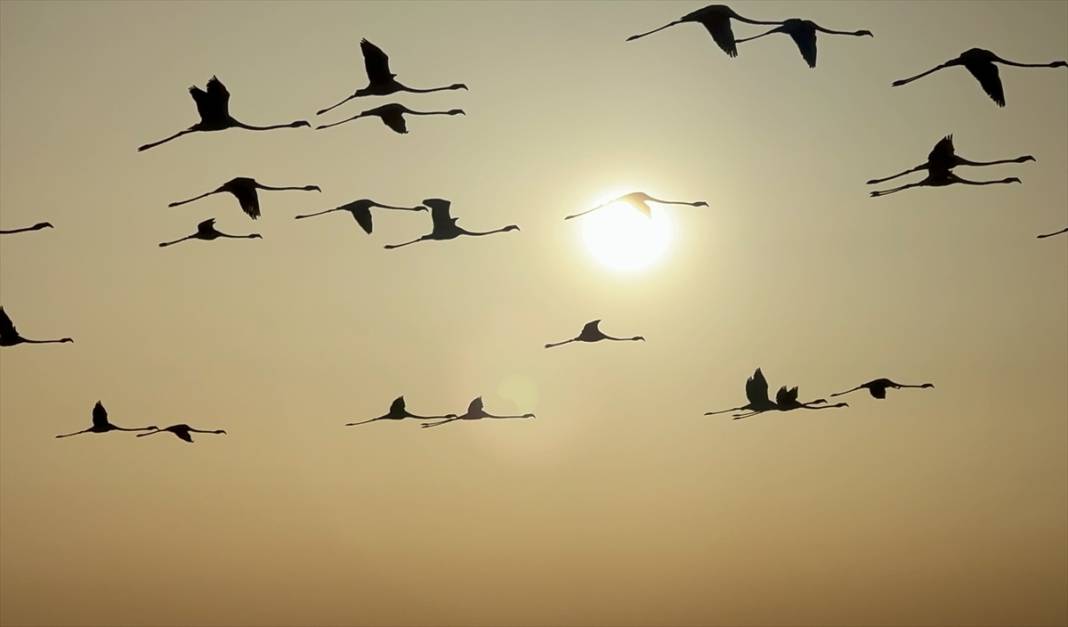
(621, 504)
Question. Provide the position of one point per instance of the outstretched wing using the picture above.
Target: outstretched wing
(439, 212)
(395, 121)
(249, 199)
(376, 62)
(213, 104)
(397, 406)
(100, 415)
(756, 388)
(805, 38)
(720, 29)
(877, 391)
(362, 215)
(206, 227)
(475, 407)
(786, 397)
(987, 75)
(182, 433)
(591, 328)
(943, 152)
(7, 328)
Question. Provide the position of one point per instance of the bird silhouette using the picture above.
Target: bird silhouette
(397, 411)
(445, 225)
(878, 387)
(1060, 232)
(942, 178)
(244, 189)
(392, 115)
(380, 80)
(944, 157)
(361, 212)
(9, 335)
(474, 412)
(206, 231)
(36, 227)
(213, 106)
(716, 18)
(640, 201)
(981, 64)
(786, 400)
(756, 392)
(803, 32)
(591, 333)
(182, 431)
(101, 424)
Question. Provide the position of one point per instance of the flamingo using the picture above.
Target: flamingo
(981, 64)
(716, 18)
(361, 212)
(1045, 235)
(786, 400)
(206, 231)
(640, 201)
(445, 225)
(397, 411)
(474, 412)
(182, 431)
(591, 333)
(244, 189)
(878, 387)
(9, 335)
(101, 424)
(942, 178)
(36, 227)
(392, 115)
(380, 80)
(944, 157)
(803, 32)
(213, 106)
(756, 392)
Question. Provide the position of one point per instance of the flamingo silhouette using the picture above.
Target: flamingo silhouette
(244, 189)
(591, 333)
(640, 201)
(361, 212)
(803, 32)
(944, 157)
(213, 106)
(756, 392)
(942, 178)
(9, 335)
(716, 18)
(36, 227)
(206, 231)
(392, 115)
(1045, 235)
(981, 64)
(786, 400)
(182, 431)
(474, 412)
(380, 80)
(878, 387)
(397, 411)
(101, 424)
(445, 227)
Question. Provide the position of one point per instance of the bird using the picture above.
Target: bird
(756, 392)
(944, 157)
(244, 189)
(716, 18)
(474, 412)
(213, 105)
(206, 231)
(397, 411)
(36, 227)
(380, 80)
(803, 32)
(640, 201)
(445, 225)
(981, 64)
(101, 424)
(392, 115)
(878, 387)
(591, 333)
(1060, 232)
(942, 178)
(786, 400)
(182, 431)
(9, 335)
(361, 212)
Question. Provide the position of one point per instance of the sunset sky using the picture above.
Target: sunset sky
(620, 504)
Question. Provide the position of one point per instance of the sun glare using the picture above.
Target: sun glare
(621, 237)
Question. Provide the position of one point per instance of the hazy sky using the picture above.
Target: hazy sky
(622, 503)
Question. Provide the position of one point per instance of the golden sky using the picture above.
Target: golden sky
(621, 503)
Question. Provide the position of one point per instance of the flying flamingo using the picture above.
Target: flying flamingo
(101, 424)
(786, 400)
(942, 178)
(474, 412)
(206, 231)
(716, 18)
(944, 157)
(244, 189)
(591, 333)
(392, 115)
(9, 335)
(1045, 235)
(36, 227)
(445, 225)
(380, 80)
(397, 411)
(803, 32)
(361, 212)
(981, 64)
(878, 387)
(214, 108)
(182, 431)
(640, 201)
(756, 392)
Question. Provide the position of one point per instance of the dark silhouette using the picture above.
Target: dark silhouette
(101, 424)
(206, 231)
(942, 178)
(786, 400)
(981, 64)
(445, 225)
(944, 157)
(640, 201)
(756, 391)
(380, 80)
(361, 212)
(878, 387)
(591, 333)
(244, 189)
(716, 18)
(1045, 235)
(803, 32)
(214, 108)
(474, 412)
(36, 227)
(182, 431)
(392, 115)
(9, 335)
(397, 411)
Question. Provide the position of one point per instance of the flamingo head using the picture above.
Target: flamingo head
(1011, 179)
(862, 33)
(43, 225)
(458, 86)
(300, 123)
(456, 112)
(311, 188)
(1059, 64)
(255, 236)
(927, 385)
(67, 339)
(510, 227)
(1025, 158)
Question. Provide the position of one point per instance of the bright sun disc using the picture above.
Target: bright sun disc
(623, 238)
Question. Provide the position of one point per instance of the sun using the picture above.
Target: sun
(623, 238)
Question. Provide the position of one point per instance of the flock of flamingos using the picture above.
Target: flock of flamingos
(213, 107)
